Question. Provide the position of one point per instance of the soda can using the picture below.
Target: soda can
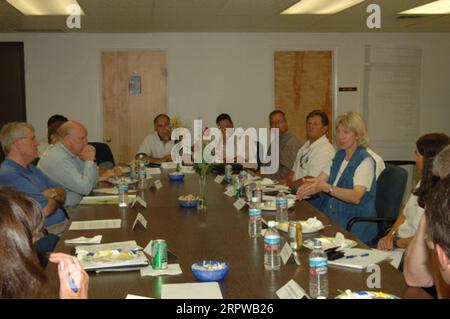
(295, 235)
(159, 253)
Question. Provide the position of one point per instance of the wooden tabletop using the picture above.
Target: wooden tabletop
(220, 233)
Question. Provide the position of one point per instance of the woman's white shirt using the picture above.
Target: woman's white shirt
(363, 174)
(413, 213)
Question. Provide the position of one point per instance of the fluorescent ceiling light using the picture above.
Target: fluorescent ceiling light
(46, 7)
(436, 7)
(320, 6)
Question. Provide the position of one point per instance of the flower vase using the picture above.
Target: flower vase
(202, 193)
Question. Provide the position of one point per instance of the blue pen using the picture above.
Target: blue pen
(72, 284)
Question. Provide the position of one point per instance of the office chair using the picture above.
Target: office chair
(103, 155)
(389, 194)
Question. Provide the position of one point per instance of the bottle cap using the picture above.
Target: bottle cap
(254, 199)
(271, 223)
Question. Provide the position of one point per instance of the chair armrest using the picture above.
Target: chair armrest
(355, 220)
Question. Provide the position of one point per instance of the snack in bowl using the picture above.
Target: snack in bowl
(176, 176)
(208, 270)
(188, 201)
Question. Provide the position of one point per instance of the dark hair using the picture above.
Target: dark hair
(223, 117)
(429, 146)
(56, 118)
(21, 275)
(323, 116)
(159, 116)
(437, 213)
(53, 129)
(277, 112)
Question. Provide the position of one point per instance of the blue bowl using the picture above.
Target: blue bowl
(210, 274)
(188, 203)
(176, 177)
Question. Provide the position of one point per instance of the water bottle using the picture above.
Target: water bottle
(141, 175)
(272, 244)
(318, 272)
(123, 193)
(254, 222)
(282, 210)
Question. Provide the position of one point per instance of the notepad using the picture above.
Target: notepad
(359, 258)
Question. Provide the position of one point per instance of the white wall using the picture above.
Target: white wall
(209, 73)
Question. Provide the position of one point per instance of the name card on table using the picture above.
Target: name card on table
(239, 204)
(219, 179)
(291, 290)
(229, 192)
(141, 201)
(286, 253)
(158, 184)
(141, 219)
(148, 248)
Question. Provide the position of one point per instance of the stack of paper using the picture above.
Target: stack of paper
(172, 269)
(84, 240)
(96, 224)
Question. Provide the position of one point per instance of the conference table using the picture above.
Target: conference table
(218, 233)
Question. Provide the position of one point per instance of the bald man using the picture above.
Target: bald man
(70, 163)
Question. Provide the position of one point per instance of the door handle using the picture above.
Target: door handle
(108, 140)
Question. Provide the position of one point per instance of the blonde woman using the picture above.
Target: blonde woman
(348, 187)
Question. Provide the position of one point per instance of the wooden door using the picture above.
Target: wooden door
(12, 84)
(128, 116)
(303, 84)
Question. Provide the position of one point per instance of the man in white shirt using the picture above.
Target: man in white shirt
(316, 154)
(157, 145)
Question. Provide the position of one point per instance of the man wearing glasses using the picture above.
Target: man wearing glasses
(157, 146)
(19, 143)
(315, 155)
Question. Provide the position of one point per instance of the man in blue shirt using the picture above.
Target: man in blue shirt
(19, 144)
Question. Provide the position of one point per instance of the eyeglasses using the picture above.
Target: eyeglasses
(304, 159)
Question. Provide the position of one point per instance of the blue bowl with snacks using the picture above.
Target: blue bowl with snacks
(209, 270)
(188, 201)
(176, 176)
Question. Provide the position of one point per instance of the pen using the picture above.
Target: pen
(72, 284)
(353, 256)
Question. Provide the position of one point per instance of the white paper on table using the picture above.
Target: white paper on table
(229, 192)
(239, 204)
(360, 262)
(168, 165)
(203, 290)
(187, 170)
(152, 170)
(396, 256)
(172, 269)
(291, 290)
(103, 200)
(84, 240)
(130, 296)
(96, 224)
(285, 253)
(219, 179)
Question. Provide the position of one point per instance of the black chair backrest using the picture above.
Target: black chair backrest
(103, 153)
(391, 186)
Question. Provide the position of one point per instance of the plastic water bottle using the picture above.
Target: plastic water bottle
(318, 272)
(254, 222)
(282, 210)
(141, 175)
(272, 243)
(123, 193)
